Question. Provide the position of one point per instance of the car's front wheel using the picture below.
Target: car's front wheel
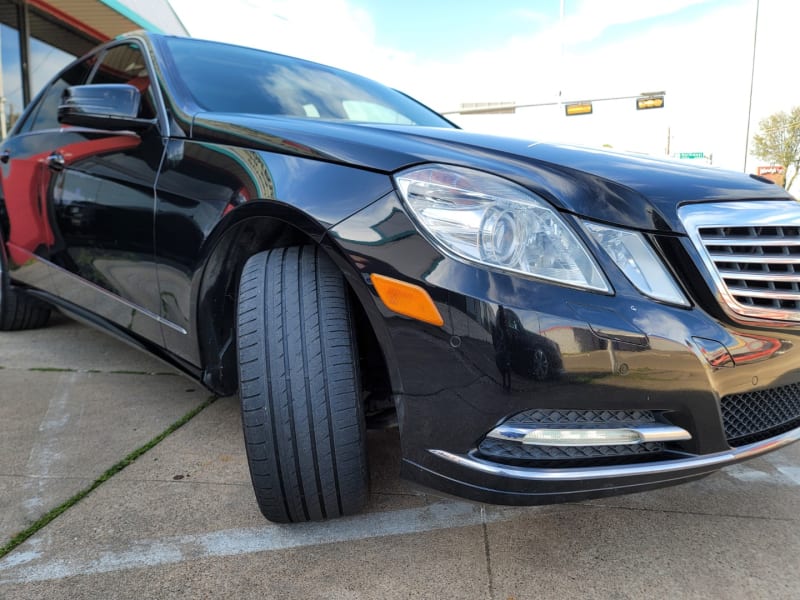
(17, 310)
(299, 387)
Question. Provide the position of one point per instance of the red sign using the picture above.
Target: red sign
(774, 173)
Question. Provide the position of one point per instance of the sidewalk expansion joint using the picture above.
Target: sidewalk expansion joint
(404, 495)
(108, 474)
(45, 477)
(184, 481)
(693, 513)
(93, 371)
(487, 553)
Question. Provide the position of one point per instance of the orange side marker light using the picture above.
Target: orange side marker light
(407, 299)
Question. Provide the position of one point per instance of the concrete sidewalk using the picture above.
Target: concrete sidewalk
(181, 522)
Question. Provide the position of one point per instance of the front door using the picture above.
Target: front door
(91, 194)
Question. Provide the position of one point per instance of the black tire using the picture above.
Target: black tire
(540, 364)
(17, 310)
(299, 386)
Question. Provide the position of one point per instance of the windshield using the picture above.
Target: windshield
(223, 78)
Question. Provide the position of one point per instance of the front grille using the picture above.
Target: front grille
(530, 455)
(753, 252)
(759, 265)
(756, 416)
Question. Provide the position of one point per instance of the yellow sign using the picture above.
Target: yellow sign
(649, 102)
(578, 108)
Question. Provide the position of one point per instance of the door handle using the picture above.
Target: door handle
(5, 156)
(56, 161)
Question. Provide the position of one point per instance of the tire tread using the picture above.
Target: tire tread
(301, 410)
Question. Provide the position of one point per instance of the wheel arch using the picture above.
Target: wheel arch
(251, 229)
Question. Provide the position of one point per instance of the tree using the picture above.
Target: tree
(778, 142)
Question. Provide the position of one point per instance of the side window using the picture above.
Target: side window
(126, 64)
(45, 115)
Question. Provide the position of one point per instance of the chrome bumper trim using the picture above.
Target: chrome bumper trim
(708, 462)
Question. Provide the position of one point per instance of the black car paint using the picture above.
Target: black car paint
(627, 190)
(196, 195)
(615, 365)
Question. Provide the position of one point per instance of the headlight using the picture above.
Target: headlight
(631, 252)
(488, 220)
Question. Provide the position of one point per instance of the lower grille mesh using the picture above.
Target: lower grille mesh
(581, 418)
(756, 416)
(564, 456)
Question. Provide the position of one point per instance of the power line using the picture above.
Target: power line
(505, 106)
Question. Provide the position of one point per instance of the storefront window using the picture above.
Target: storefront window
(46, 61)
(11, 99)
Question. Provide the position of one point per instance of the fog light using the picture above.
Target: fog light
(581, 437)
(641, 433)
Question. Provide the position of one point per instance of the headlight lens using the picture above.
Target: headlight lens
(488, 220)
(631, 252)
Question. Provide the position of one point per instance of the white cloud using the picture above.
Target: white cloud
(594, 18)
(328, 31)
(703, 65)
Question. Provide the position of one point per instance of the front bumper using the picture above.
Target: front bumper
(477, 479)
(511, 345)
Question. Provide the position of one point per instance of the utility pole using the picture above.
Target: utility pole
(669, 139)
(561, 53)
(752, 77)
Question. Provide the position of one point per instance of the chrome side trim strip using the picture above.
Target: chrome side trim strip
(647, 432)
(709, 462)
(112, 296)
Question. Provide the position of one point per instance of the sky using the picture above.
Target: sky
(447, 52)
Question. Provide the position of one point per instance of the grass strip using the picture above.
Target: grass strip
(52, 514)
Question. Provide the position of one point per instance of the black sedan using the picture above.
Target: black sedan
(543, 323)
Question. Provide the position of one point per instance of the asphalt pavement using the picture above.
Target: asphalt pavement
(180, 521)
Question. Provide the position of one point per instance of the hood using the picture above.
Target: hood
(622, 189)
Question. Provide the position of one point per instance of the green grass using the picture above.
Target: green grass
(54, 513)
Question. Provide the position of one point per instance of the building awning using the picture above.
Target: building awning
(106, 19)
(74, 27)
